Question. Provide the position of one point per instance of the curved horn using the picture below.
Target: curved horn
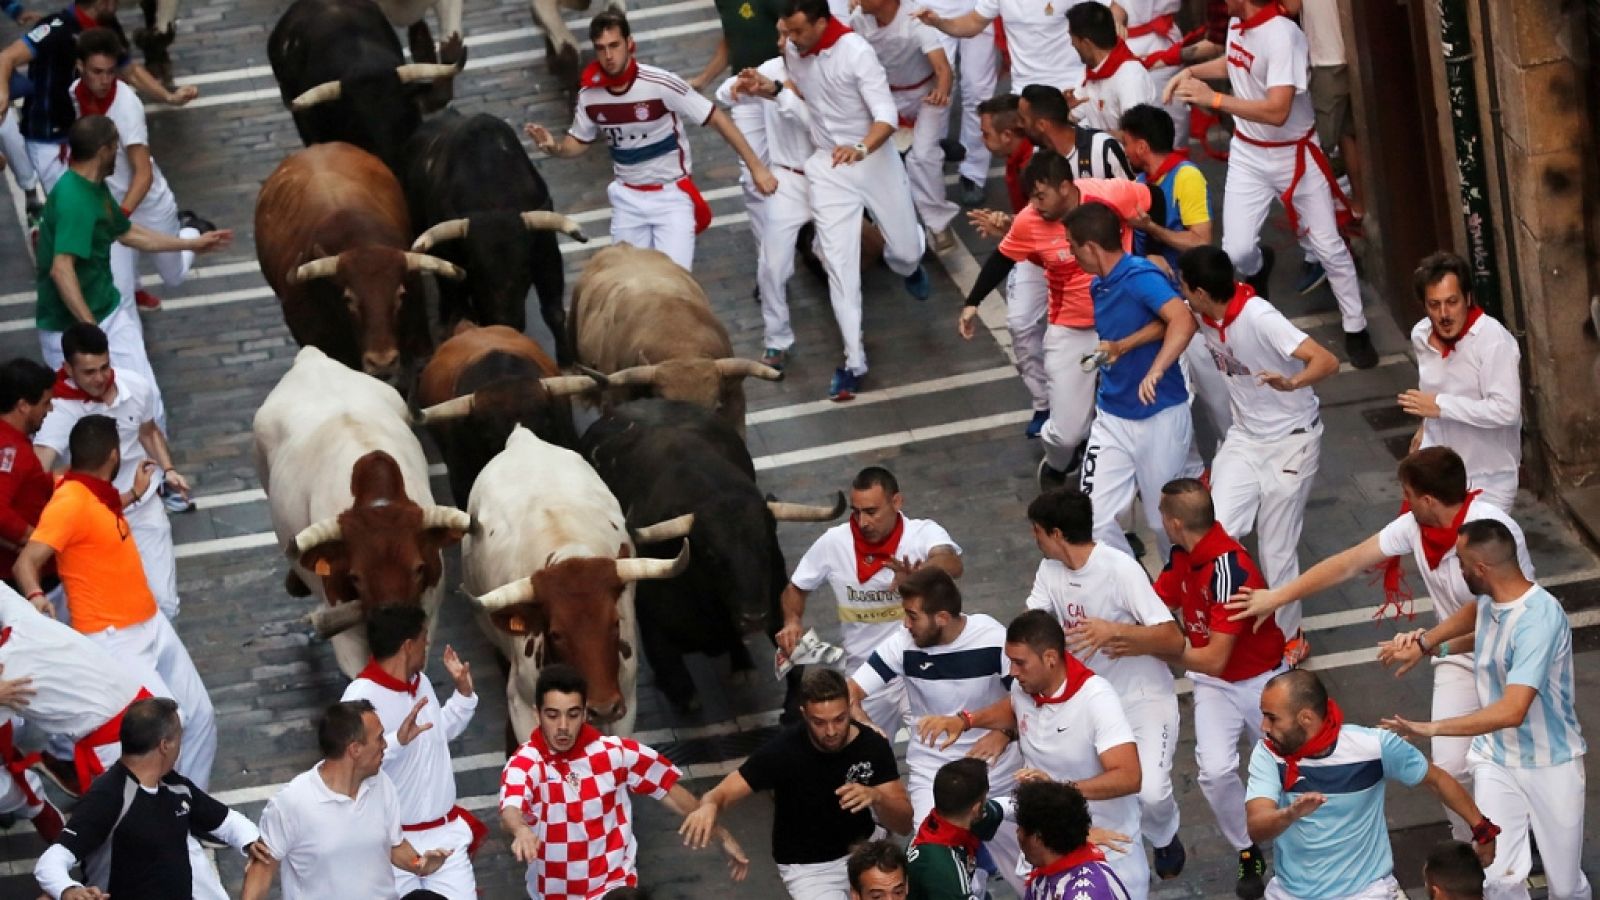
(328, 621)
(454, 408)
(519, 591)
(446, 517)
(646, 568)
(448, 230)
(422, 262)
(315, 535)
(664, 531)
(800, 512)
(600, 377)
(549, 221)
(745, 368)
(413, 72)
(324, 267)
(326, 92)
(567, 385)
(634, 375)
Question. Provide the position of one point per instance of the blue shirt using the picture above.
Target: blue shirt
(1528, 642)
(1344, 845)
(1126, 299)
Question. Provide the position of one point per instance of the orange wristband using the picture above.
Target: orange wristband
(1216, 100)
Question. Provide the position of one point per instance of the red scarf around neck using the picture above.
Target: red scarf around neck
(938, 830)
(1193, 565)
(1108, 67)
(103, 490)
(88, 103)
(66, 389)
(1173, 160)
(1077, 675)
(1446, 345)
(1437, 541)
(831, 33)
(1242, 294)
(375, 674)
(587, 735)
(1316, 745)
(596, 77)
(1086, 854)
(1266, 14)
(872, 556)
(84, 19)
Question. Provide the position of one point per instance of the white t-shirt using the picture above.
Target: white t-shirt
(420, 771)
(127, 112)
(133, 406)
(1320, 19)
(1036, 32)
(330, 845)
(785, 121)
(1114, 587)
(902, 47)
(643, 126)
(1479, 388)
(1106, 99)
(77, 686)
(1261, 340)
(868, 612)
(1065, 740)
(846, 90)
(1445, 584)
(1269, 55)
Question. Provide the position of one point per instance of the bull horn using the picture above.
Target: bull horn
(567, 385)
(519, 591)
(414, 72)
(647, 568)
(325, 267)
(600, 377)
(634, 375)
(448, 230)
(745, 368)
(446, 517)
(315, 535)
(454, 408)
(328, 621)
(549, 221)
(422, 262)
(326, 92)
(671, 529)
(801, 512)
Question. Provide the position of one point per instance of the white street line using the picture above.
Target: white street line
(1384, 361)
(890, 441)
(225, 545)
(222, 270)
(915, 389)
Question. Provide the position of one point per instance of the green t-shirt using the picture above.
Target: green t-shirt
(751, 29)
(80, 219)
(939, 872)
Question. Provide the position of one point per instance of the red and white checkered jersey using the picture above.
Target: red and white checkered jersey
(578, 805)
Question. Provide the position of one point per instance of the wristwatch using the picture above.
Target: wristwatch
(777, 88)
(862, 149)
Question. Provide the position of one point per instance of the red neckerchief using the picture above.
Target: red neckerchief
(1268, 13)
(1192, 565)
(65, 389)
(1014, 165)
(1448, 344)
(870, 556)
(587, 735)
(830, 36)
(596, 77)
(1242, 294)
(375, 674)
(1088, 853)
(103, 490)
(1436, 542)
(1108, 67)
(1077, 675)
(5, 635)
(84, 19)
(1181, 155)
(1315, 745)
(938, 830)
(89, 104)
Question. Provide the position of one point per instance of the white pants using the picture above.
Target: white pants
(817, 881)
(656, 220)
(1223, 710)
(1071, 392)
(783, 215)
(747, 117)
(454, 879)
(839, 195)
(154, 653)
(1126, 457)
(1154, 719)
(887, 707)
(13, 801)
(1385, 888)
(125, 338)
(1499, 488)
(152, 534)
(1455, 693)
(49, 162)
(1208, 394)
(1256, 176)
(925, 160)
(1027, 303)
(978, 67)
(1146, 44)
(1547, 800)
(16, 153)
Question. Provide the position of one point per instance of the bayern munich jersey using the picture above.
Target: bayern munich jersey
(643, 126)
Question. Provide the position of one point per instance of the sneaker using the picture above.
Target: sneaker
(972, 193)
(774, 358)
(1170, 859)
(1312, 276)
(1259, 281)
(146, 301)
(62, 772)
(1036, 424)
(1251, 886)
(1358, 347)
(1049, 479)
(942, 241)
(953, 151)
(1296, 649)
(844, 385)
(188, 219)
(174, 500)
(48, 823)
(918, 285)
(1135, 545)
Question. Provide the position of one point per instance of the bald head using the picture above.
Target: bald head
(1188, 501)
(1304, 691)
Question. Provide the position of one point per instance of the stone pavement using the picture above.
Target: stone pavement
(951, 430)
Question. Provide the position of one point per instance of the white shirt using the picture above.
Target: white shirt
(643, 126)
(420, 771)
(902, 47)
(846, 90)
(1036, 32)
(127, 112)
(133, 405)
(1269, 55)
(1480, 395)
(784, 119)
(1260, 340)
(869, 612)
(1106, 99)
(330, 845)
(1320, 19)
(1445, 584)
(1065, 740)
(77, 686)
(1114, 587)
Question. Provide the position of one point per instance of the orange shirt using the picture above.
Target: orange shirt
(1045, 244)
(97, 560)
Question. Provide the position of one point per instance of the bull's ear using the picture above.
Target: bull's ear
(330, 562)
(521, 619)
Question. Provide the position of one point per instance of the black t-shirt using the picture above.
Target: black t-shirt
(145, 832)
(47, 112)
(807, 825)
(751, 30)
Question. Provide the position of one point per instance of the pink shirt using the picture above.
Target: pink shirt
(1034, 239)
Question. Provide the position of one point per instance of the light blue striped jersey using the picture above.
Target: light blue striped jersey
(1528, 642)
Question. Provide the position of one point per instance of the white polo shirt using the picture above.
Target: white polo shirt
(1036, 32)
(1065, 740)
(127, 112)
(1106, 99)
(420, 771)
(330, 845)
(902, 47)
(1271, 54)
(643, 126)
(133, 405)
(77, 686)
(785, 120)
(1479, 387)
(1114, 587)
(846, 90)
(1260, 340)
(1445, 584)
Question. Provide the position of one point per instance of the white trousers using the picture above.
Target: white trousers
(1154, 719)
(925, 160)
(1071, 392)
(1208, 395)
(1146, 44)
(172, 267)
(454, 879)
(977, 65)
(154, 653)
(839, 195)
(13, 801)
(1548, 801)
(747, 117)
(1256, 176)
(1455, 693)
(1027, 303)
(1128, 457)
(783, 215)
(817, 881)
(16, 153)
(656, 220)
(125, 338)
(49, 163)
(1224, 710)
(1385, 888)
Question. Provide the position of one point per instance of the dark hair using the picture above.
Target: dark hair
(92, 441)
(959, 784)
(390, 626)
(1003, 109)
(1039, 630)
(1436, 266)
(1306, 690)
(1194, 508)
(1150, 124)
(88, 135)
(885, 856)
(100, 42)
(342, 725)
(821, 684)
(1454, 868)
(814, 10)
(609, 19)
(1093, 23)
(1048, 168)
(1053, 812)
(876, 476)
(1048, 103)
(83, 339)
(563, 679)
(148, 722)
(1064, 509)
(935, 588)
(1208, 269)
(1491, 540)
(1435, 472)
(1095, 223)
(23, 379)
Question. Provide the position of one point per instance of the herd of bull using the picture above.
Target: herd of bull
(574, 547)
